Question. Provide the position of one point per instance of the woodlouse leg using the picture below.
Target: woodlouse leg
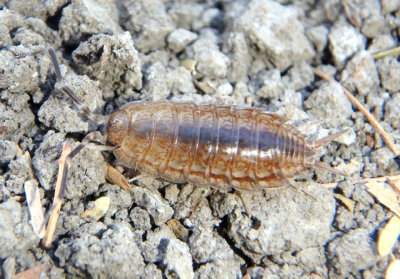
(299, 187)
(291, 182)
(140, 176)
(246, 208)
(194, 208)
(84, 109)
(195, 204)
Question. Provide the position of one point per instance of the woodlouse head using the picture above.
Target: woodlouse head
(117, 127)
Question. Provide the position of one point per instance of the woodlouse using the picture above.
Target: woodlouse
(220, 146)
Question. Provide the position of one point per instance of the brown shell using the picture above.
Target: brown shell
(219, 146)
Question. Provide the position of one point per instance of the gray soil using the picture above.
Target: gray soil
(249, 53)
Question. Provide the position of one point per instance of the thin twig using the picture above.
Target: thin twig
(377, 179)
(51, 226)
(329, 185)
(390, 52)
(367, 114)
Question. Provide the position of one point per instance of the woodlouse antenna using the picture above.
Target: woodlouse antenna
(95, 136)
(84, 109)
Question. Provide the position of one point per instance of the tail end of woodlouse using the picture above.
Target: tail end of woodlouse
(323, 141)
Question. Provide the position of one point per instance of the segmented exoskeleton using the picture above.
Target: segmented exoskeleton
(220, 146)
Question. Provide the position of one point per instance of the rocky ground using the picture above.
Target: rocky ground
(249, 53)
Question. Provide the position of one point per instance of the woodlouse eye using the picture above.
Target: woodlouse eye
(117, 127)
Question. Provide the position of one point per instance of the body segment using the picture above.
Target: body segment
(219, 146)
